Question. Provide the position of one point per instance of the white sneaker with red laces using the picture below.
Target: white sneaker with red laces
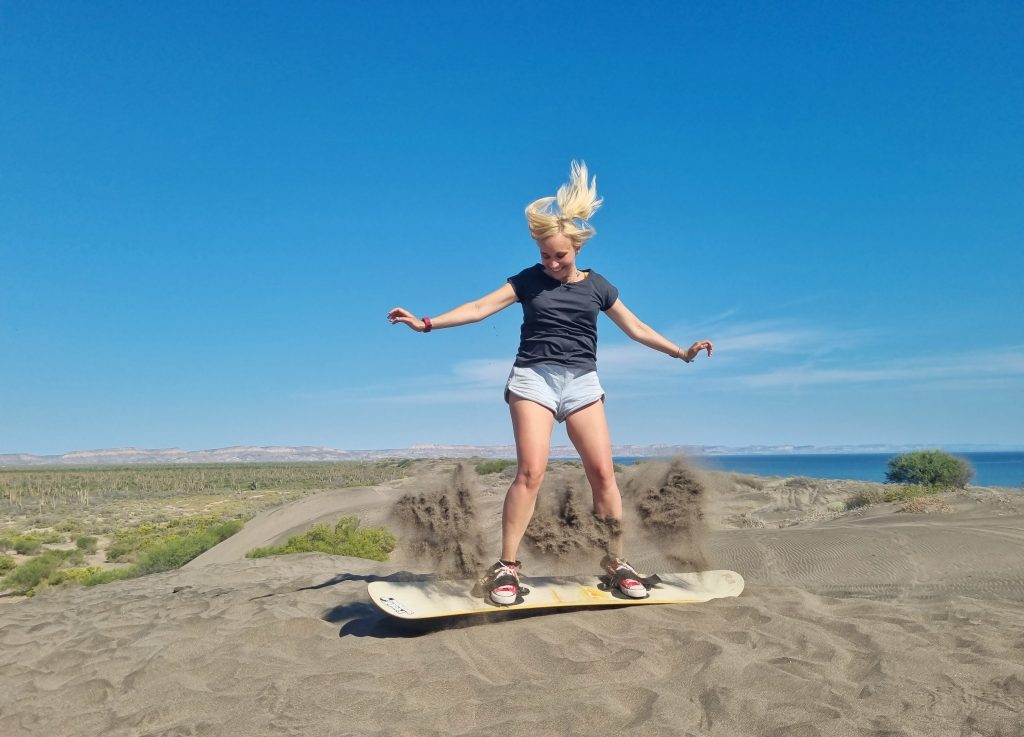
(624, 577)
(502, 582)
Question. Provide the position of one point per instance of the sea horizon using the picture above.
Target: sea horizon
(1002, 467)
(991, 468)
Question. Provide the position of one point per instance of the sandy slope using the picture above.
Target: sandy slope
(872, 623)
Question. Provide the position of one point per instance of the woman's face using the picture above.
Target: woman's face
(557, 255)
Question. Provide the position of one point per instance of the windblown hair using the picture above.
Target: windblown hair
(568, 211)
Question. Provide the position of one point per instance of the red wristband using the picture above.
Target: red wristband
(427, 325)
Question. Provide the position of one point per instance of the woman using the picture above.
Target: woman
(555, 373)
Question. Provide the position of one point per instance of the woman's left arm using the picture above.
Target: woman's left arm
(639, 331)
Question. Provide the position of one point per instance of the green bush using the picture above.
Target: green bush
(86, 543)
(930, 468)
(344, 538)
(485, 467)
(27, 545)
(177, 551)
(47, 569)
(130, 545)
(30, 574)
(106, 576)
(74, 575)
(7, 563)
(118, 550)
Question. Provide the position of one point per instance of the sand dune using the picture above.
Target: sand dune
(874, 622)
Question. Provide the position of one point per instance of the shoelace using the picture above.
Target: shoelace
(506, 570)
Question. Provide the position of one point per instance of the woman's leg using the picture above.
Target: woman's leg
(588, 431)
(531, 423)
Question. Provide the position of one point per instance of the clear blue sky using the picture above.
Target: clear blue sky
(206, 210)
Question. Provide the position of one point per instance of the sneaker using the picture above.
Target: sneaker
(623, 576)
(501, 582)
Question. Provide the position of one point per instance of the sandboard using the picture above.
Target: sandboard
(437, 598)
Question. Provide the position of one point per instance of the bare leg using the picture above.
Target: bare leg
(588, 431)
(531, 423)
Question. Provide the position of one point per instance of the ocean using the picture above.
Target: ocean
(990, 469)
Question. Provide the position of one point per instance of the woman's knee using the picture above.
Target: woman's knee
(602, 477)
(531, 476)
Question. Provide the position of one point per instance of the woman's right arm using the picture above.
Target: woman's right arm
(474, 311)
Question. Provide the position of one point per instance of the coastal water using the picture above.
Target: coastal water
(991, 469)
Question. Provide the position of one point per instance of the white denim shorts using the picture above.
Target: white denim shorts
(562, 390)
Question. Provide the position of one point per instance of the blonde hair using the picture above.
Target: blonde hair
(576, 202)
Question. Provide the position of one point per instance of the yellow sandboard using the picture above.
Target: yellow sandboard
(437, 598)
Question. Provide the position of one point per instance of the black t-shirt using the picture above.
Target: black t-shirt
(560, 320)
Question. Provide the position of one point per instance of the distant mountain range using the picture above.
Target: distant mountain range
(284, 454)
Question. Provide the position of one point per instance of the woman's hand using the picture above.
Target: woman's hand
(402, 315)
(691, 353)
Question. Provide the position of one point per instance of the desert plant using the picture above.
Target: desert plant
(7, 563)
(497, 466)
(178, 551)
(901, 493)
(344, 538)
(73, 575)
(27, 545)
(926, 505)
(67, 489)
(30, 574)
(105, 576)
(930, 468)
(130, 544)
(86, 543)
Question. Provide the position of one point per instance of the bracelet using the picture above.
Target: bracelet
(679, 354)
(427, 325)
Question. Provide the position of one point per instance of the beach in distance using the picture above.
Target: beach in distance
(860, 616)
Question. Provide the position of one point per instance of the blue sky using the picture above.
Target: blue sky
(206, 211)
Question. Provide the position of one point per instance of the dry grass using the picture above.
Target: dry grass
(926, 505)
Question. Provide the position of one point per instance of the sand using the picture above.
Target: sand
(871, 622)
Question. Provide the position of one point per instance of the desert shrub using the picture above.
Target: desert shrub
(86, 543)
(344, 538)
(74, 556)
(172, 552)
(131, 544)
(925, 505)
(930, 468)
(46, 536)
(799, 483)
(107, 576)
(73, 575)
(69, 525)
(901, 493)
(30, 574)
(119, 550)
(177, 551)
(27, 545)
(7, 563)
(497, 466)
